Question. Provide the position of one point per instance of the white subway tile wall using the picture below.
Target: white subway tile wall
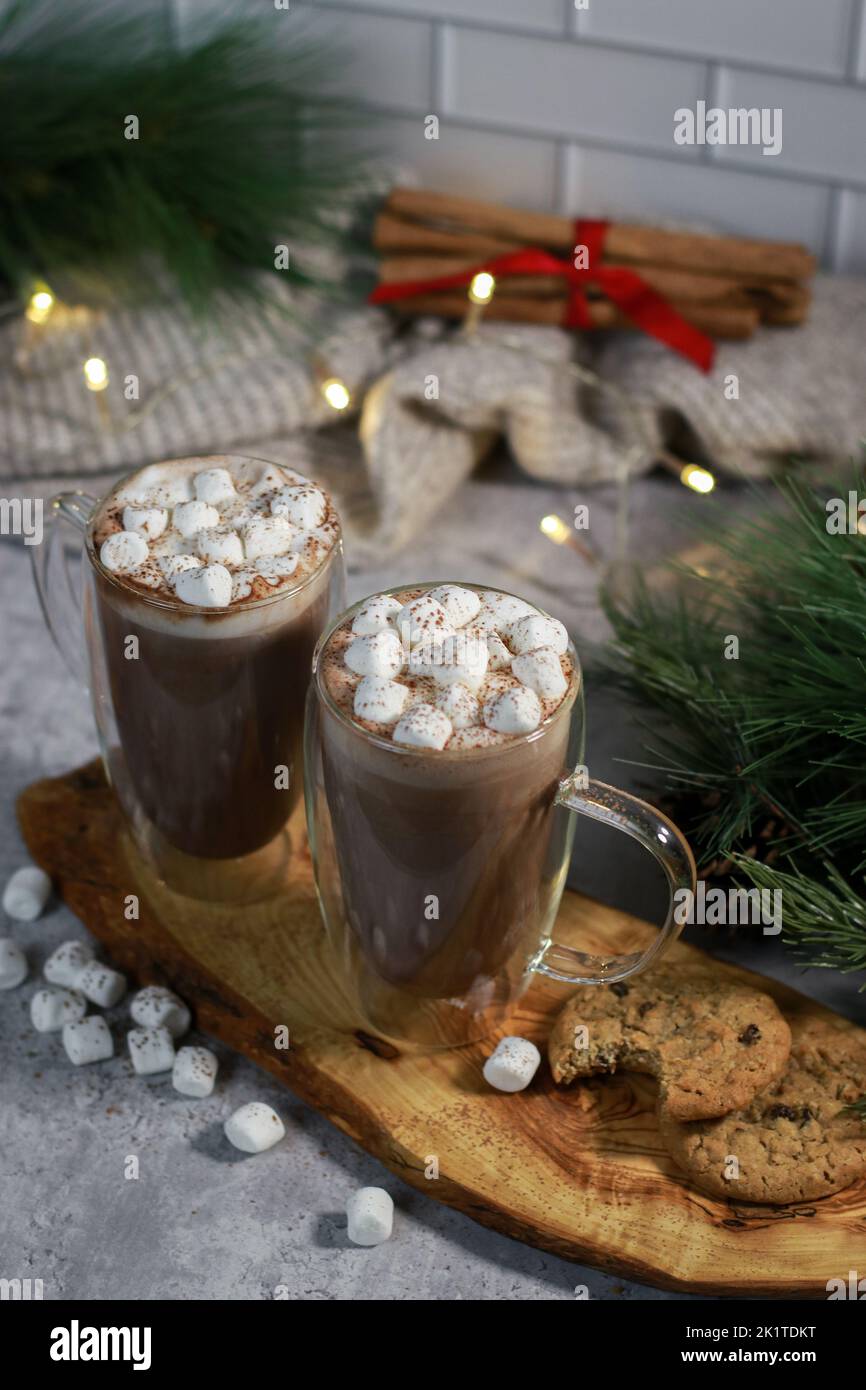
(569, 104)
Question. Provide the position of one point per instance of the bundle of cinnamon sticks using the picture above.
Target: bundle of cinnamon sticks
(724, 286)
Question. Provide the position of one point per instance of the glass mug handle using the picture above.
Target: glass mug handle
(665, 843)
(60, 603)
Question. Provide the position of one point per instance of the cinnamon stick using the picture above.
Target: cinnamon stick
(681, 286)
(633, 245)
(718, 320)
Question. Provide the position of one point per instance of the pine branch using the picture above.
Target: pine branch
(243, 144)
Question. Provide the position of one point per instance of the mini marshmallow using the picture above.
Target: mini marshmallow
(423, 726)
(194, 1072)
(101, 985)
(273, 568)
(536, 630)
(461, 605)
(370, 1213)
(515, 711)
(461, 659)
(165, 492)
(157, 1007)
(148, 522)
(379, 699)
(89, 1040)
(254, 1128)
(219, 546)
(270, 479)
(26, 893)
(50, 1009)
(266, 535)
(242, 584)
(215, 486)
(380, 654)
(460, 705)
(208, 587)
(423, 618)
(174, 565)
(13, 964)
(64, 965)
(498, 653)
(541, 670)
(189, 517)
(376, 615)
(476, 737)
(313, 545)
(512, 1065)
(500, 610)
(151, 1050)
(123, 552)
(304, 506)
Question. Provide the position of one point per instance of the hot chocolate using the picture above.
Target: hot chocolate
(444, 731)
(212, 582)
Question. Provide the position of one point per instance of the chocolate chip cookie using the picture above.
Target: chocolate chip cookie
(712, 1044)
(793, 1142)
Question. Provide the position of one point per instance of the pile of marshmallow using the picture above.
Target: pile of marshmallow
(495, 660)
(210, 544)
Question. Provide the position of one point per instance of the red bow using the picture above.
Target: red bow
(646, 308)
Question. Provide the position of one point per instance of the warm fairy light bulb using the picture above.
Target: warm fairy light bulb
(555, 529)
(699, 479)
(40, 305)
(95, 374)
(482, 287)
(336, 393)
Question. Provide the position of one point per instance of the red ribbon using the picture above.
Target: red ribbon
(646, 308)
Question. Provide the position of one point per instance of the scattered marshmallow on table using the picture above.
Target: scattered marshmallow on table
(101, 985)
(254, 1128)
(512, 1065)
(195, 1070)
(51, 1008)
(157, 1007)
(370, 1211)
(64, 966)
(13, 964)
(89, 1040)
(26, 893)
(151, 1050)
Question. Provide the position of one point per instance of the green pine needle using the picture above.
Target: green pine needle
(778, 734)
(243, 146)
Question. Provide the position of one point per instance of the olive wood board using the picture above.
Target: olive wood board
(578, 1171)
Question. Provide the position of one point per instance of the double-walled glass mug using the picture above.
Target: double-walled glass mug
(440, 873)
(199, 710)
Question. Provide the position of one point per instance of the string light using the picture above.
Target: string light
(336, 393)
(698, 479)
(95, 374)
(558, 531)
(482, 287)
(40, 305)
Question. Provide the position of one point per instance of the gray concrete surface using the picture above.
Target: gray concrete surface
(201, 1221)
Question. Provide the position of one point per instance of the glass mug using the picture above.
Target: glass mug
(440, 873)
(194, 727)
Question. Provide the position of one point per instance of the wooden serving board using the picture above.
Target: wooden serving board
(579, 1171)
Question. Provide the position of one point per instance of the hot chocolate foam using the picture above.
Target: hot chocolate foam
(217, 532)
(448, 667)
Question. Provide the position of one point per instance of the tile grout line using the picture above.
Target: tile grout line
(767, 69)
